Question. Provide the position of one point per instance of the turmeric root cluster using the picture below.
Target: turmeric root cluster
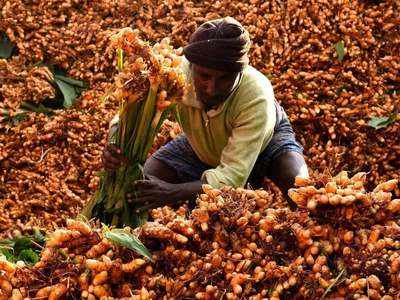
(24, 83)
(345, 200)
(168, 131)
(235, 244)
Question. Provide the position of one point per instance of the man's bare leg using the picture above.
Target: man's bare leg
(284, 171)
(159, 169)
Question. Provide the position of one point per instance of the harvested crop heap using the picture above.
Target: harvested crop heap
(329, 89)
(49, 164)
(235, 244)
(334, 65)
(20, 84)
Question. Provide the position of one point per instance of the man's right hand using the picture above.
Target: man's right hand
(112, 158)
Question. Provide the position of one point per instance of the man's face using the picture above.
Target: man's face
(212, 86)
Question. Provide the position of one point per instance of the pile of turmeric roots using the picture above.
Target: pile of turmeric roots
(342, 241)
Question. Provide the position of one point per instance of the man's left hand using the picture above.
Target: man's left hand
(153, 190)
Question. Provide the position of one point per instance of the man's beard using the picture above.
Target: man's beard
(210, 102)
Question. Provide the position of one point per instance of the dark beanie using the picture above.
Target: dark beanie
(220, 44)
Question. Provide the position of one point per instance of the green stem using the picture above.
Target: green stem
(146, 119)
(120, 59)
(133, 136)
(158, 119)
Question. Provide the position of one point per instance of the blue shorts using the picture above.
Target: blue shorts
(179, 155)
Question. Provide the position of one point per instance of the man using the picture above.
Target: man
(234, 130)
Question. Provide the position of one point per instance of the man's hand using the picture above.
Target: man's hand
(153, 190)
(112, 158)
